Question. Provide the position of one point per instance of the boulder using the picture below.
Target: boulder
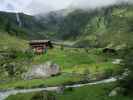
(115, 91)
(60, 89)
(43, 70)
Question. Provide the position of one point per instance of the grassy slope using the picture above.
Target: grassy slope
(8, 42)
(96, 92)
(52, 81)
(73, 62)
(69, 57)
(11, 45)
(77, 59)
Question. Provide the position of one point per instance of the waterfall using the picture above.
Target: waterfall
(18, 20)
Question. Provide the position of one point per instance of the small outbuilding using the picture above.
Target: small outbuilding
(40, 46)
(109, 51)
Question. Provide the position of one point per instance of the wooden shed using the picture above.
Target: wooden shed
(40, 46)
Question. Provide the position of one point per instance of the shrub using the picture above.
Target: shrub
(62, 47)
(108, 72)
(20, 87)
(127, 76)
(43, 96)
(99, 76)
(86, 75)
(69, 89)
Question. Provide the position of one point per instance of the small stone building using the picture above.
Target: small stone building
(40, 46)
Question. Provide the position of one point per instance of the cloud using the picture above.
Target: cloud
(13, 5)
(44, 6)
(91, 4)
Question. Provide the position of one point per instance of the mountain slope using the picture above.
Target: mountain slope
(98, 28)
(8, 42)
(102, 27)
(108, 26)
(29, 28)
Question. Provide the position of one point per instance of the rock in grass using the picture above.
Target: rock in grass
(43, 70)
(115, 92)
(60, 89)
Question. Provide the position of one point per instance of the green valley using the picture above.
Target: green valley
(90, 57)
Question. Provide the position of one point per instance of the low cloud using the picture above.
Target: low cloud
(92, 4)
(44, 6)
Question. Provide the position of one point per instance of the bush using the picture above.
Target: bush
(87, 76)
(43, 96)
(39, 86)
(127, 76)
(69, 89)
(108, 73)
(68, 83)
(100, 76)
(20, 87)
(14, 62)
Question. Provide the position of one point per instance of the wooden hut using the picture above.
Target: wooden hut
(40, 46)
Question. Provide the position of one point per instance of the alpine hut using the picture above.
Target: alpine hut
(40, 46)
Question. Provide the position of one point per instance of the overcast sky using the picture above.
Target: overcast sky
(44, 6)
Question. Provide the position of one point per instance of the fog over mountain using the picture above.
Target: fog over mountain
(44, 6)
(92, 4)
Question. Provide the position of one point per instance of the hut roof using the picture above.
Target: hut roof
(39, 41)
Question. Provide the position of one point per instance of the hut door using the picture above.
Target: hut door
(39, 50)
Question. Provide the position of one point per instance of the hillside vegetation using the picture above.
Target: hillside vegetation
(96, 92)
(76, 65)
(110, 26)
(14, 56)
(106, 27)
(87, 59)
(29, 29)
(8, 42)
(102, 27)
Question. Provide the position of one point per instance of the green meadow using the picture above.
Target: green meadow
(95, 92)
(75, 64)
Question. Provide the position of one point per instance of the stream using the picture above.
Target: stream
(5, 94)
